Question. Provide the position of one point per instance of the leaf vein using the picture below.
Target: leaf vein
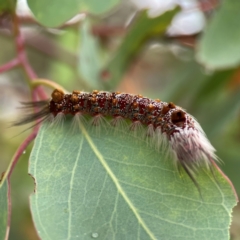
(117, 184)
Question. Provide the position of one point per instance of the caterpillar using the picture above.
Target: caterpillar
(168, 125)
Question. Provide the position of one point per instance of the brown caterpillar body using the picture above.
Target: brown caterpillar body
(134, 107)
(167, 124)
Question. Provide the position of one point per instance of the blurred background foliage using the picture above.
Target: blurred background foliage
(119, 49)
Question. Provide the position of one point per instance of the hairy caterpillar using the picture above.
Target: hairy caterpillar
(168, 125)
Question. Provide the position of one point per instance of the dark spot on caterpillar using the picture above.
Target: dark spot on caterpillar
(57, 95)
(95, 92)
(96, 109)
(76, 92)
(150, 107)
(135, 105)
(114, 101)
(171, 105)
(165, 109)
(74, 98)
(178, 116)
(59, 106)
(76, 107)
(93, 99)
(159, 119)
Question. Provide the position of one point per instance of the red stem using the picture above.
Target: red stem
(37, 92)
(17, 156)
(208, 5)
(22, 57)
(7, 66)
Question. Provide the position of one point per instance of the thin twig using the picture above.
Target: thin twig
(21, 60)
(39, 82)
(8, 66)
(15, 160)
(21, 53)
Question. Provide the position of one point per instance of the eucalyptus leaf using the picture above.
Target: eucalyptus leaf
(107, 183)
(90, 60)
(56, 12)
(7, 5)
(211, 86)
(219, 47)
(142, 30)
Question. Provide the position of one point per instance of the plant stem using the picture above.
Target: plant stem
(40, 81)
(22, 57)
(11, 167)
(11, 64)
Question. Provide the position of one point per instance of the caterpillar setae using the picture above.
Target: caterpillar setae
(168, 125)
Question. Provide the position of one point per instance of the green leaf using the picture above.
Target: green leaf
(56, 12)
(4, 209)
(143, 29)
(219, 46)
(7, 5)
(211, 86)
(108, 183)
(222, 109)
(90, 60)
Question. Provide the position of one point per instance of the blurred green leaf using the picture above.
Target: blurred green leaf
(3, 210)
(219, 46)
(56, 12)
(109, 184)
(143, 29)
(184, 85)
(6, 5)
(228, 149)
(221, 110)
(90, 61)
(212, 85)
